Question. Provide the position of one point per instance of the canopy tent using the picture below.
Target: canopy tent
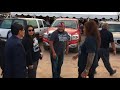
(92, 15)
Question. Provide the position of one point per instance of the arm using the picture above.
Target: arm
(90, 59)
(51, 46)
(28, 50)
(112, 43)
(90, 49)
(67, 47)
(113, 47)
(19, 61)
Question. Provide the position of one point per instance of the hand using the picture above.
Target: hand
(84, 74)
(41, 55)
(75, 57)
(66, 52)
(114, 52)
(30, 66)
(54, 55)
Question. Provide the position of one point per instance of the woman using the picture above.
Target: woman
(33, 51)
(87, 56)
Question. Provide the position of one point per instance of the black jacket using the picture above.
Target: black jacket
(15, 59)
(31, 56)
(2, 57)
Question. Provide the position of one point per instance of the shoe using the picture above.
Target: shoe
(61, 77)
(114, 71)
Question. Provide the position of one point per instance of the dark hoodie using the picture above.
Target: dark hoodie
(28, 43)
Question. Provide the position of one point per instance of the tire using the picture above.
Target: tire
(45, 47)
(74, 50)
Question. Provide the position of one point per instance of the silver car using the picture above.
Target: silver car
(39, 25)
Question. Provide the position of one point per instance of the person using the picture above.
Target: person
(15, 60)
(59, 42)
(103, 53)
(87, 55)
(2, 57)
(33, 51)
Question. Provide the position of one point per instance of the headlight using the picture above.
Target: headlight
(75, 37)
(45, 35)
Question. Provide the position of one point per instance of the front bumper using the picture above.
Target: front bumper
(70, 46)
(3, 39)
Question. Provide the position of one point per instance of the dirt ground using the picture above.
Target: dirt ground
(69, 68)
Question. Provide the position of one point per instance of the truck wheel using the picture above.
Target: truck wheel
(75, 50)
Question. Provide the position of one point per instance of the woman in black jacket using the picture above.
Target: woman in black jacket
(33, 51)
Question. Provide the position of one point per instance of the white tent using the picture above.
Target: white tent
(91, 15)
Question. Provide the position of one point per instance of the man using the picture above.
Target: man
(103, 53)
(2, 46)
(58, 43)
(15, 60)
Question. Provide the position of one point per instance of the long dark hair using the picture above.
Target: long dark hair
(26, 31)
(27, 35)
(92, 30)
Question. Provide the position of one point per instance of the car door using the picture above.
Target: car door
(45, 26)
(41, 27)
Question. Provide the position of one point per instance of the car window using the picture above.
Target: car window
(40, 22)
(20, 22)
(6, 24)
(114, 27)
(33, 23)
(68, 23)
(45, 24)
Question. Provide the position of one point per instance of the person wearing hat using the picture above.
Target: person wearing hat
(58, 44)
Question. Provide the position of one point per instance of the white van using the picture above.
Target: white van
(39, 25)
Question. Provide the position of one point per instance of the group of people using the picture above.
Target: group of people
(23, 52)
(95, 46)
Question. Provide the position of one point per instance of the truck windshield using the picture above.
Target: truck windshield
(68, 23)
(6, 23)
(114, 27)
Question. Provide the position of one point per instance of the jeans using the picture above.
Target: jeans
(104, 55)
(32, 72)
(56, 65)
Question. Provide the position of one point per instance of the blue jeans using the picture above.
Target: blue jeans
(103, 53)
(56, 65)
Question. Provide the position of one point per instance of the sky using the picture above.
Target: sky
(97, 13)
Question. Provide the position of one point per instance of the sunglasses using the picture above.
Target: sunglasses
(30, 30)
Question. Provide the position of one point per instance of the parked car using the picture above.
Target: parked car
(73, 29)
(39, 25)
(114, 27)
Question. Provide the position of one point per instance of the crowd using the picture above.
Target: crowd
(22, 51)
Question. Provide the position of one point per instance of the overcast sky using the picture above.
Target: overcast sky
(97, 13)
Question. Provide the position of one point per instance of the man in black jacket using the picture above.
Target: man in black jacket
(15, 60)
(103, 52)
(2, 46)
